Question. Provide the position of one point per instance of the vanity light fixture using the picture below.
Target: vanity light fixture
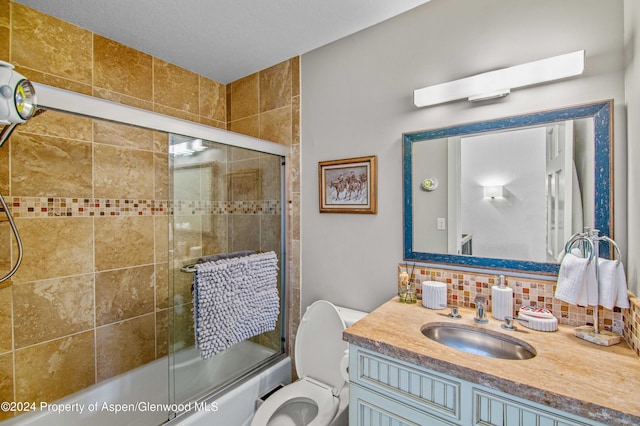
(493, 192)
(499, 83)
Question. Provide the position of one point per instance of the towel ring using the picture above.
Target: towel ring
(578, 239)
(574, 238)
(615, 247)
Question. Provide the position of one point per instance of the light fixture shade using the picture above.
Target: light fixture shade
(17, 96)
(498, 83)
(493, 192)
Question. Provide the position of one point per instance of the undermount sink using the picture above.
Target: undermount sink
(479, 341)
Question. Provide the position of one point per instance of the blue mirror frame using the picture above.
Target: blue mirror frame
(603, 169)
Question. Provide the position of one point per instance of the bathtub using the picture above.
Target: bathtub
(140, 397)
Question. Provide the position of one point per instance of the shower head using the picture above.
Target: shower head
(17, 96)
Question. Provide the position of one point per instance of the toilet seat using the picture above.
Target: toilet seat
(304, 390)
(319, 347)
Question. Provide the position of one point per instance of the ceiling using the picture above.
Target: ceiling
(224, 39)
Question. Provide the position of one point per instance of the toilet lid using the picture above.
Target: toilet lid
(319, 347)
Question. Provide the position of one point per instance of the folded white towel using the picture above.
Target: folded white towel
(591, 284)
(613, 284)
(622, 300)
(576, 281)
(575, 250)
(608, 286)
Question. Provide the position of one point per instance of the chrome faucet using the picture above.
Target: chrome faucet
(481, 308)
(509, 323)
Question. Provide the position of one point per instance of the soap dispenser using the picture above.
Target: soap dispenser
(501, 300)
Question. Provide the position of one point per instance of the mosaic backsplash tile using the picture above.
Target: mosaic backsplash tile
(632, 324)
(463, 287)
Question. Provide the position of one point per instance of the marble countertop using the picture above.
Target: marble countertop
(569, 374)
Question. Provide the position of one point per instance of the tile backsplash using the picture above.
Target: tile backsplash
(632, 324)
(463, 287)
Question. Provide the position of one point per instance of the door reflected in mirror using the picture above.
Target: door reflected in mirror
(510, 191)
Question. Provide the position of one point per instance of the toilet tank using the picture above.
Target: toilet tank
(350, 316)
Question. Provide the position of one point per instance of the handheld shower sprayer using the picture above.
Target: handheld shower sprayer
(17, 105)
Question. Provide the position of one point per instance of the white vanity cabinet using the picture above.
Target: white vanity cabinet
(385, 391)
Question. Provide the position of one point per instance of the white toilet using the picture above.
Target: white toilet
(321, 395)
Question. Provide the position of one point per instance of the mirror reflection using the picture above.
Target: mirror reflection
(509, 192)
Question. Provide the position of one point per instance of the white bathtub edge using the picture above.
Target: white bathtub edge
(237, 406)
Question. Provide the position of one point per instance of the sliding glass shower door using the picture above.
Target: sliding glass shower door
(224, 199)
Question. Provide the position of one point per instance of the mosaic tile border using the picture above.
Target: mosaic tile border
(463, 287)
(40, 207)
(191, 207)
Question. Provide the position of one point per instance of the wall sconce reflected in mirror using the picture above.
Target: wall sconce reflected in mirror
(493, 192)
(499, 83)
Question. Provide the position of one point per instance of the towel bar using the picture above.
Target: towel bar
(190, 268)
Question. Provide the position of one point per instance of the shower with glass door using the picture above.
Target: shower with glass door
(224, 199)
(101, 306)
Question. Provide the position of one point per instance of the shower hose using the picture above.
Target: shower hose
(15, 233)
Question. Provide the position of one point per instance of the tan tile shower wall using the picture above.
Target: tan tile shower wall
(464, 286)
(90, 200)
(266, 104)
(93, 266)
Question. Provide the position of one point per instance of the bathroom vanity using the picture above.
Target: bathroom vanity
(400, 376)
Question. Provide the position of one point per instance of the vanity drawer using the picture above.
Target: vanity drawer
(490, 409)
(414, 387)
(368, 408)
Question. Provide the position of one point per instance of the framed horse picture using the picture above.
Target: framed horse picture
(348, 186)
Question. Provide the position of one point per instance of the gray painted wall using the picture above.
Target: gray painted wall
(357, 101)
(428, 206)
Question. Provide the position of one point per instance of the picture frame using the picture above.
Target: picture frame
(348, 185)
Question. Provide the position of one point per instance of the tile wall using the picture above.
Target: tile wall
(463, 287)
(632, 325)
(266, 104)
(91, 203)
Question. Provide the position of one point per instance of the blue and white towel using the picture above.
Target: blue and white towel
(234, 299)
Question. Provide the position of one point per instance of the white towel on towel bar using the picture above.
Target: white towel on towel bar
(612, 289)
(234, 299)
(622, 301)
(577, 281)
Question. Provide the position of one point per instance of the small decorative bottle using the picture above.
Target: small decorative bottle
(408, 292)
(403, 279)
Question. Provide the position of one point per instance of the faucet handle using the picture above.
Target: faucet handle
(509, 323)
(454, 311)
